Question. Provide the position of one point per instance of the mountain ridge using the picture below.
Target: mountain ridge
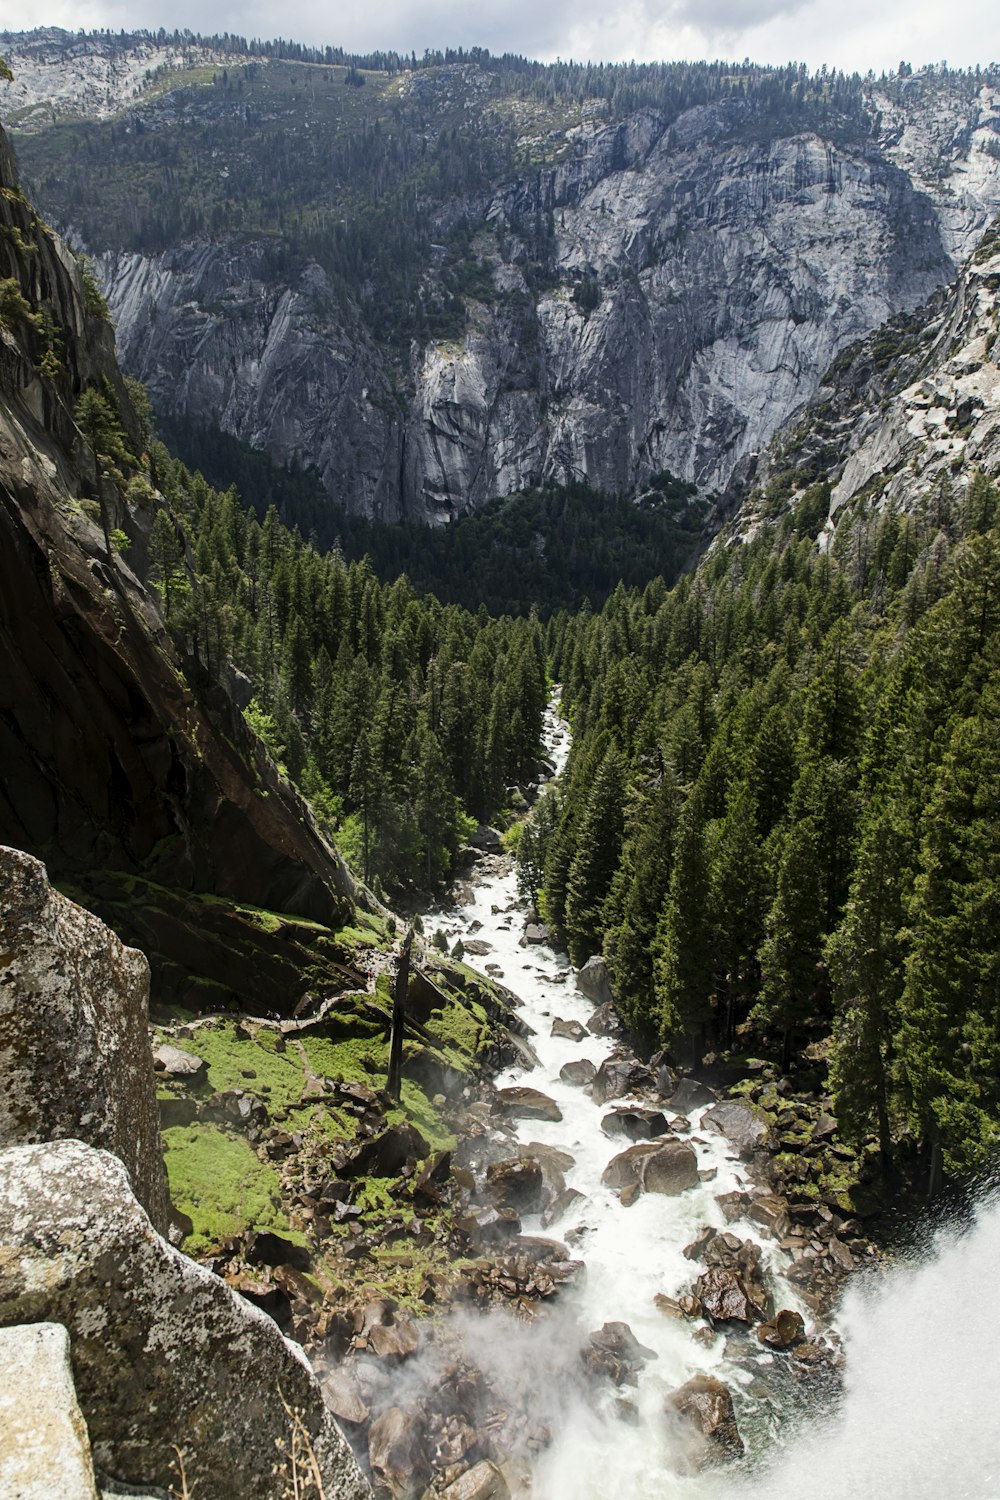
(594, 288)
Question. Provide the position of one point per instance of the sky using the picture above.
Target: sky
(849, 34)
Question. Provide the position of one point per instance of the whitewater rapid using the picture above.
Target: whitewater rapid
(919, 1417)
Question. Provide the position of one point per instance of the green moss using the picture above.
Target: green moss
(280, 1076)
(219, 1182)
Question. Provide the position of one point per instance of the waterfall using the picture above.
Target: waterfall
(919, 1418)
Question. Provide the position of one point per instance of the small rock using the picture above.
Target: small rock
(782, 1331)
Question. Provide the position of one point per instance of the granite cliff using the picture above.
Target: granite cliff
(626, 290)
(126, 770)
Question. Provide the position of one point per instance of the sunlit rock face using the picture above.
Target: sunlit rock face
(730, 271)
(664, 296)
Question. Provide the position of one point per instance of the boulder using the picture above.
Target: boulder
(594, 981)
(579, 1073)
(535, 933)
(483, 1481)
(690, 1095)
(343, 1395)
(487, 840)
(635, 1124)
(74, 1041)
(44, 1447)
(573, 1031)
(396, 1452)
(782, 1331)
(386, 1154)
(727, 1297)
(525, 1104)
(618, 1076)
(657, 1167)
(516, 1182)
(741, 1123)
(705, 1406)
(175, 1062)
(560, 1207)
(604, 1021)
(164, 1352)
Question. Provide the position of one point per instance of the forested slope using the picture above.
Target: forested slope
(780, 817)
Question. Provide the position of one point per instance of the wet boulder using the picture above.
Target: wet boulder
(604, 1021)
(594, 981)
(668, 1167)
(579, 1073)
(614, 1353)
(704, 1406)
(560, 1207)
(782, 1331)
(727, 1296)
(619, 1076)
(635, 1124)
(518, 1183)
(535, 934)
(572, 1031)
(520, 1103)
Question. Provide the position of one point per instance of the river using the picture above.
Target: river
(903, 1427)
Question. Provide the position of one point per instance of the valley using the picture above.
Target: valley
(499, 883)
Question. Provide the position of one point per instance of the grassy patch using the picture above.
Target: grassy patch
(221, 1184)
(279, 1077)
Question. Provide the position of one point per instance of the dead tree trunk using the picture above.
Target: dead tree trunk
(394, 1079)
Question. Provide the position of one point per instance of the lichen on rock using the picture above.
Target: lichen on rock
(166, 1356)
(74, 1047)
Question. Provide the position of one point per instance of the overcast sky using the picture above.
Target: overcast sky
(852, 34)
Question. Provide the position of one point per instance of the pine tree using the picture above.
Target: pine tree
(598, 846)
(683, 957)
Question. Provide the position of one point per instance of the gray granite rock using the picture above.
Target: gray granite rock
(164, 1353)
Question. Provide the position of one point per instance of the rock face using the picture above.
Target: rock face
(163, 1351)
(729, 252)
(126, 772)
(44, 1447)
(74, 1045)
